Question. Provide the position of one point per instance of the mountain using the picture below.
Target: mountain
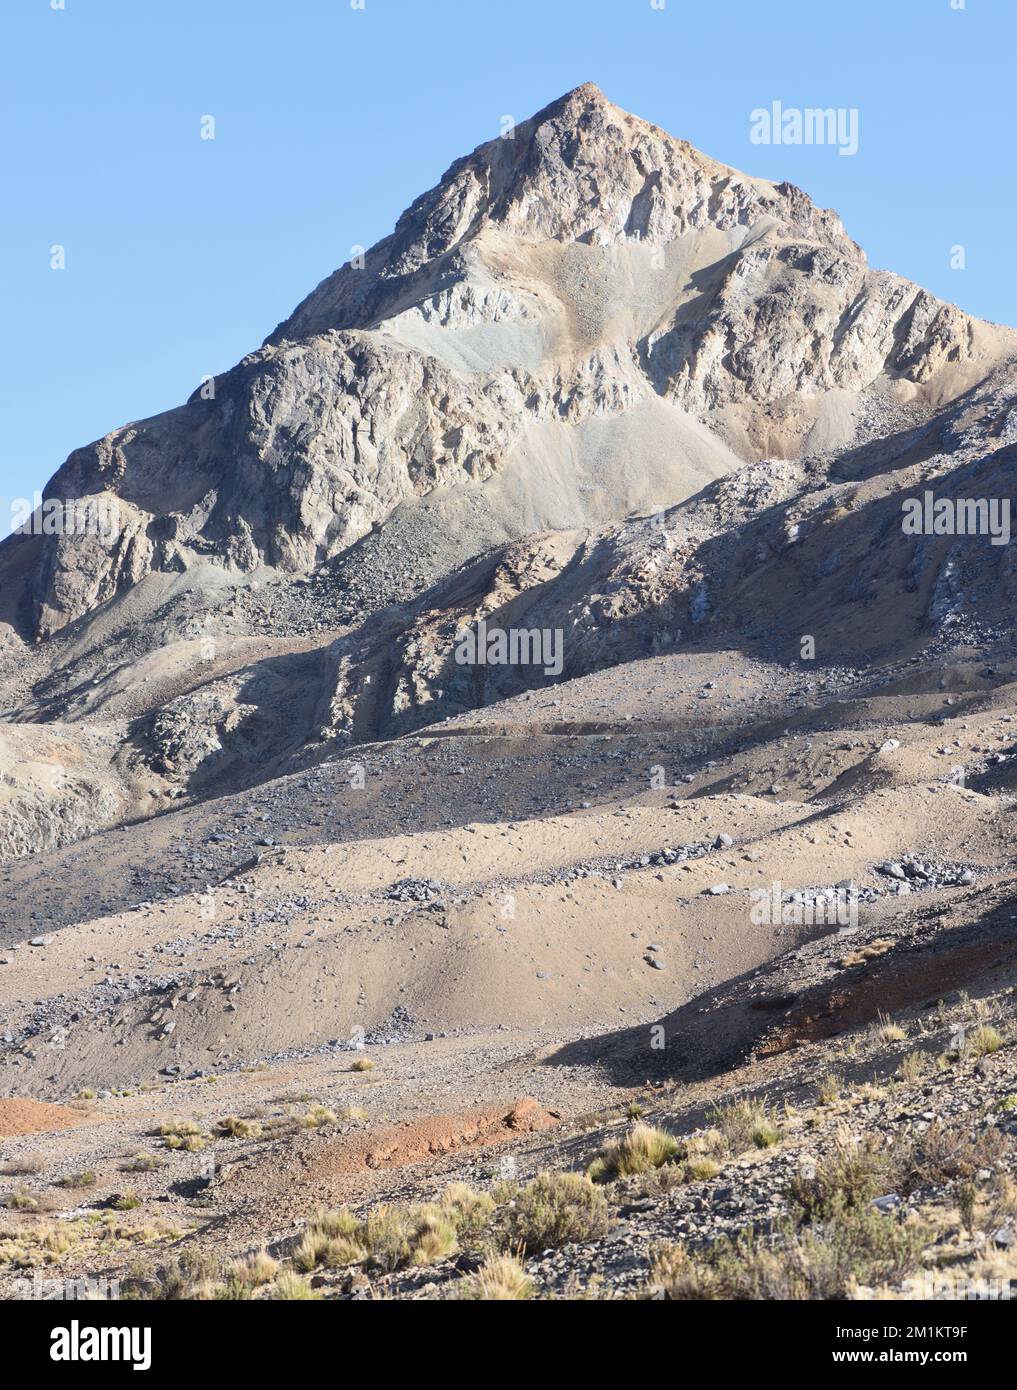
(263, 805)
(583, 320)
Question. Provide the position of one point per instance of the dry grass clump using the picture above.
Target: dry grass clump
(22, 1199)
(500, 1279)
(416, 1235)
(86, 1178)
(318, 1116)
(944, 1154)
(391, 1236)
(470, 1210)
(332, 1240)
(885, 1031)
(982, 1041)
(856, 1173)
(179, 1129)
(913, 1067)
(641, 1149)
(185, 1135)
(746, 1124)
(233, 1127)
(556, 1209)
(852, 1175)
(28, 1166)
(102, 1235)
(192, 1274)
(293, 1288)
(870, 952)
(141, 1163)
(830, 1089)
(362, 1064)
(701, 1169)
(254, 1271)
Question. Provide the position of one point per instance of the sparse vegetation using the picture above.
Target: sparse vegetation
(556, 1209)
(501, 1278)
(86, 1178)
(255, 1270)
(641, 1149)
(318, 1116)
(233, 1127)
(141, 1163)
(470, 1210)
(362, 1064)
(21, 1199)
(855, 1245)
(885, 1031)
(830, 1089)
(28, 1166)
(292, 1288)
(746, 1124)
(866, 953)
(983, 1041)
(913, 1066)
(332, 1239)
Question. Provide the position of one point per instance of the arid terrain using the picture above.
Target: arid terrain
(678, 962)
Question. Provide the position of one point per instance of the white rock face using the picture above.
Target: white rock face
(584, 320)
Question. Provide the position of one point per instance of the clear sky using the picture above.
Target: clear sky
(183, 253)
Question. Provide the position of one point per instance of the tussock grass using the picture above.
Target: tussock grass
(141, 1163)
(318, 1116)
(830, 1090)
(885, 1031)
(913, 1067)
(982, 1041)
(870, 952)
(86, 1178)
(291, 1288)
(362, 1064)
(255, 1270)
(471, 1211)
(701, 1169)
(746, 1124)
(500, 1279)
(233, 1127)
(641, 1149)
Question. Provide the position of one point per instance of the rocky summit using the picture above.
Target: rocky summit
(509, 791)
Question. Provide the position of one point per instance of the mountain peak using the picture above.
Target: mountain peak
(580, 170)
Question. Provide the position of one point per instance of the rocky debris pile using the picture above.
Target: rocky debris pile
(417, 890)
(912, 874)
(52, 1020)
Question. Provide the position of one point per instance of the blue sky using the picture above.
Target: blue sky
(183, 253)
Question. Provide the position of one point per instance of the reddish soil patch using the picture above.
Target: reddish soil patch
(419, 1139)
(36, 1117)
